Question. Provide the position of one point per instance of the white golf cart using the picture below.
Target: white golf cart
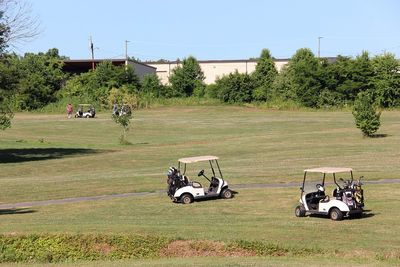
(346, 200)
(85, 111)
(181, 189)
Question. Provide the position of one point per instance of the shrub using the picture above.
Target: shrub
(236, 87)
(328, 98)
(264, 76)
(151, 85)
(211, 91)
(303, 71)
(184, 79)
(365, 114)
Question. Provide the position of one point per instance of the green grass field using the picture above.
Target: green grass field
(49, 157)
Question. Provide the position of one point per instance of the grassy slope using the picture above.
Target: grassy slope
(256, 214)
(255, 146)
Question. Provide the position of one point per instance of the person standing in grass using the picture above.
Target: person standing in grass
(70, 109)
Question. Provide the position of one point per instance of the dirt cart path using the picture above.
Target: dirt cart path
(105, 197)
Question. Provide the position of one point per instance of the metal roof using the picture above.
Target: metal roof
(197, 159)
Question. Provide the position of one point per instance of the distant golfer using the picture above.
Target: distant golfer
(70, 109)
(115, 109)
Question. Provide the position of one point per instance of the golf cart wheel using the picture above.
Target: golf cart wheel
(226, 193)
(300, 211)
(186, 199)
(336, 214)
(87, 116)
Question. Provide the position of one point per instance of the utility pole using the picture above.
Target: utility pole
(319, 45)
(126, 52)
(92, 51)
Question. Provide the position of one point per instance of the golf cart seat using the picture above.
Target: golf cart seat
(314, 198)
(337, 193)
(197, 185)
(185, 180)
(213, 184)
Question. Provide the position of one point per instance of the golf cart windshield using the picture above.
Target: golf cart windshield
(317, 176)
(213, 162)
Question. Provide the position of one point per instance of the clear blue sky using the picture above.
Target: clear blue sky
(215, 29)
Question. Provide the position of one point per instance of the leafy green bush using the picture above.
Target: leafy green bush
(235, 88)
(34, 79)
(95, 86)
(365, 114)
(264, 76)
(151, 85)
(387, 80)
(184, 79)
(329, 99)
(6, 113)
(211, 91)
(303, 71)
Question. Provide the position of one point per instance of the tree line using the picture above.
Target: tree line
(35, 80)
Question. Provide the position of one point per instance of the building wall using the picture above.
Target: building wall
(142, 69)
(213, 69)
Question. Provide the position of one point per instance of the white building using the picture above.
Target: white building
(213, 68)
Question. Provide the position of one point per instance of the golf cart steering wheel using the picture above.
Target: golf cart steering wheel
(201, 173)
(320, 188)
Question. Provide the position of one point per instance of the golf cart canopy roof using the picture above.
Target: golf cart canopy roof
(197, 159)
(329, 170)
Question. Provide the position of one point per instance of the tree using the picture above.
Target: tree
(40, 77)
(235, 88)
(152, 85)
(124, 121)
(304, 72)
(8, 81)
(128, 102)
(360, 77)
(95, 86)
(365, 114)
(336, 82)
(4, 32)
(6, 113)
(16, 23)
(186, 78)
(282, 85)
(264, 75)
(387, 80)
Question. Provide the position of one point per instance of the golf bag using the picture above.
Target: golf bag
(358, 192)
(175, 181)
(352, 194)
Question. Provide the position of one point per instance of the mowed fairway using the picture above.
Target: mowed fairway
(49, 157)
